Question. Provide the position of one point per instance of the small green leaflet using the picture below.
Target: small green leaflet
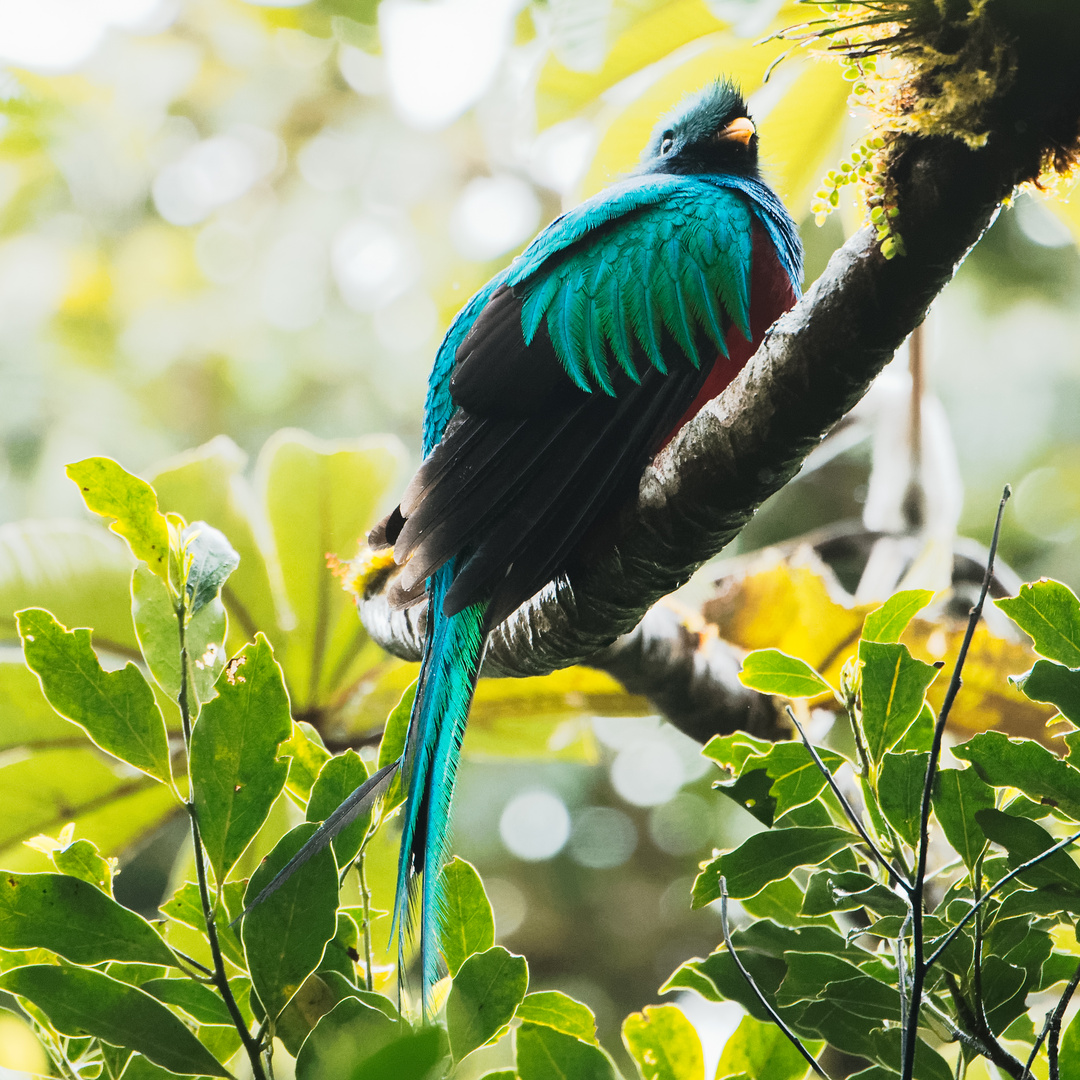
(893, 690)
(487, 990)
(113, 492)
(554, 1009)
(339, 778)
(213, 559)
(959, 794)
(466, 923)
(664, 1044)
(759, 1049)
(771, 671)
(890, 620)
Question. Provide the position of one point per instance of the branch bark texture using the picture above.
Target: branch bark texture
(814, 365)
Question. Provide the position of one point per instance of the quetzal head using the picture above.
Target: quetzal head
(709, 132)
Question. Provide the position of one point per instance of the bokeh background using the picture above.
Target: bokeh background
(219, 218)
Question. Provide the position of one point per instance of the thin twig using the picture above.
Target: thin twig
(901, 880)
(1055, 1025)
(921, 965)
(221, 979)
(1053, 1017)
(365, 899)
(776, 1017)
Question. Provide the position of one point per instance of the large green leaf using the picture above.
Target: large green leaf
(893, 690)
(343, 1039)
(208, 484)
(76, 920)
(81, 1001)
(762, 1052)
(75, 570)
(466, 924)
(339, 778)
(546, 1054)
(664, 1044)
(235, 771)
(113, 492)
(959, 794)
(320, 499)
(901, 783)
(1026, 765)
(115, 708)
(557, 1010)
(1050, 613)
(487, 990)
(195, 998)
(285, 936)
(772, 672)
(768, 856)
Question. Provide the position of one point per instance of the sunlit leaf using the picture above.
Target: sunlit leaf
(195, 998)
(115, 708)
(339, 778)
(893, 690)
(664, 1044)
(554, 1009)
(307, 755)
(235, 772)
(546, 1054)
(466, 924)
(773, 672)
(849, 890)
(81, 860)
(889, 621)
(762, 1050)
(901, 783)
(284, 937)
(959, 794)
(487, 990)
(1050, 613)
(81, 1001)
(213, 559)
(768, 856)
(1054, 684)
(113, 492)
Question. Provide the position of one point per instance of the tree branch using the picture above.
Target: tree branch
(743, 446)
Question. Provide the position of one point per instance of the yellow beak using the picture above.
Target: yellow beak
(741, 130)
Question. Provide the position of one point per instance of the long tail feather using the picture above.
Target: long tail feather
(450, 669)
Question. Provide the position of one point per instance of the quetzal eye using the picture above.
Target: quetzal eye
(667, 142)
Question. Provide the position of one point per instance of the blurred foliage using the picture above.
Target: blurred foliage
(217, 217)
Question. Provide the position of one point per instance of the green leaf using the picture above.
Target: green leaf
(344, 1038)
(307, 756)
(959, 794)
(900, 790)
(235, 771)
(76, 920)
(115, 708)
(772, 672)
(392, 747)
(664, 1044)
(466, 924)
(80, 859)
(546, 1054)
(762, 1052)
(111, 491)
(1059, 686)
(1024, 840)
(796, 778)
(213, 559)
(1069, 1051)
(487, 990)
(554, 1009)
(1026, 765)
(74, 569)
(889, 621)
(734, 750)
(1050, 613)
(782, 901)
(320, 497)
(849, 890)
(196, 999)
(81, 1001)
(185, 906)
(154, 615)
(284, 937)
(893, 690)
(768, 856)
(920, 736)
(339, 778)
(753, 792)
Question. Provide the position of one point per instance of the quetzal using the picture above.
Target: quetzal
(554, 387)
